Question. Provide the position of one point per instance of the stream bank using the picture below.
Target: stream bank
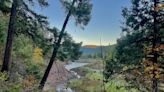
(62, 87)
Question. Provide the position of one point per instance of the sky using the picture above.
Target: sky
(105, 22)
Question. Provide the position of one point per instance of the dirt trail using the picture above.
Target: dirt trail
(57, 75)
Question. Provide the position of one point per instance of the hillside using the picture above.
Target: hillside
(93, 49)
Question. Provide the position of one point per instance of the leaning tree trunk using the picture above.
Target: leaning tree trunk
(10, 35)
(56, 47)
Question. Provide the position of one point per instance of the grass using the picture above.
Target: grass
(92, 82)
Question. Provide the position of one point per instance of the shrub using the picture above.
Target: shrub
(75, 83)
(94, 76)
(38, 56)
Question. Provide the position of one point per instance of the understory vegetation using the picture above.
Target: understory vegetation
(32, 47)
(138, 55)
(29, 46)
(92, 81)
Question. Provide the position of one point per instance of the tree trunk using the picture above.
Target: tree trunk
(56, 47)
(10, 35)
(155, 58)
(155, 85)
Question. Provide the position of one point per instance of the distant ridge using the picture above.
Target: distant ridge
(95, 49)
(90, 46)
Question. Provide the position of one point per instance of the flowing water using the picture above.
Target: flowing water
(62, 87)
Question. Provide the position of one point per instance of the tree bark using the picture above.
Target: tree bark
(10, 35)
(155, 58)
(56, 47)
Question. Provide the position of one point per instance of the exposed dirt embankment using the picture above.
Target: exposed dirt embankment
(57, 75)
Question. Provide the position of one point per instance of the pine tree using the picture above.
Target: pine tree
(21, 13)
(143, 26)
(81, 13)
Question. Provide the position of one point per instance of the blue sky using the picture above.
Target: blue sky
(105, 22)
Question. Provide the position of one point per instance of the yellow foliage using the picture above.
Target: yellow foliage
(156, 66)
(125, 68)
(152, 71)
(157, 76)
(151, 68)
(3, 76)
(38, 56)
(148, 69)
(151, 75)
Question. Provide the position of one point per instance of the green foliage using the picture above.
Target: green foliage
(92, 82)
(23, 47)
(129, 52)
(138, 34)
(118, 86)
(85, 85)
(93, 88)
(3, 76)
(111, 67)
(111, 87)
(15, 88)
(7, 86)
(110, 52)
(5, 6)
(3, 28)
(75, 83)
(23, 50)
(94, 76)
(81, 11)
(69, 49)
(34, 70)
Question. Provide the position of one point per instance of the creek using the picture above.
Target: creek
(62, 86)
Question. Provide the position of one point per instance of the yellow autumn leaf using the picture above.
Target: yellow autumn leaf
(157, 76)
(147, 69)
(151, 75)
(151, 67)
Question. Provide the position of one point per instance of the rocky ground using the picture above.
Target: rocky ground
(57, 75)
